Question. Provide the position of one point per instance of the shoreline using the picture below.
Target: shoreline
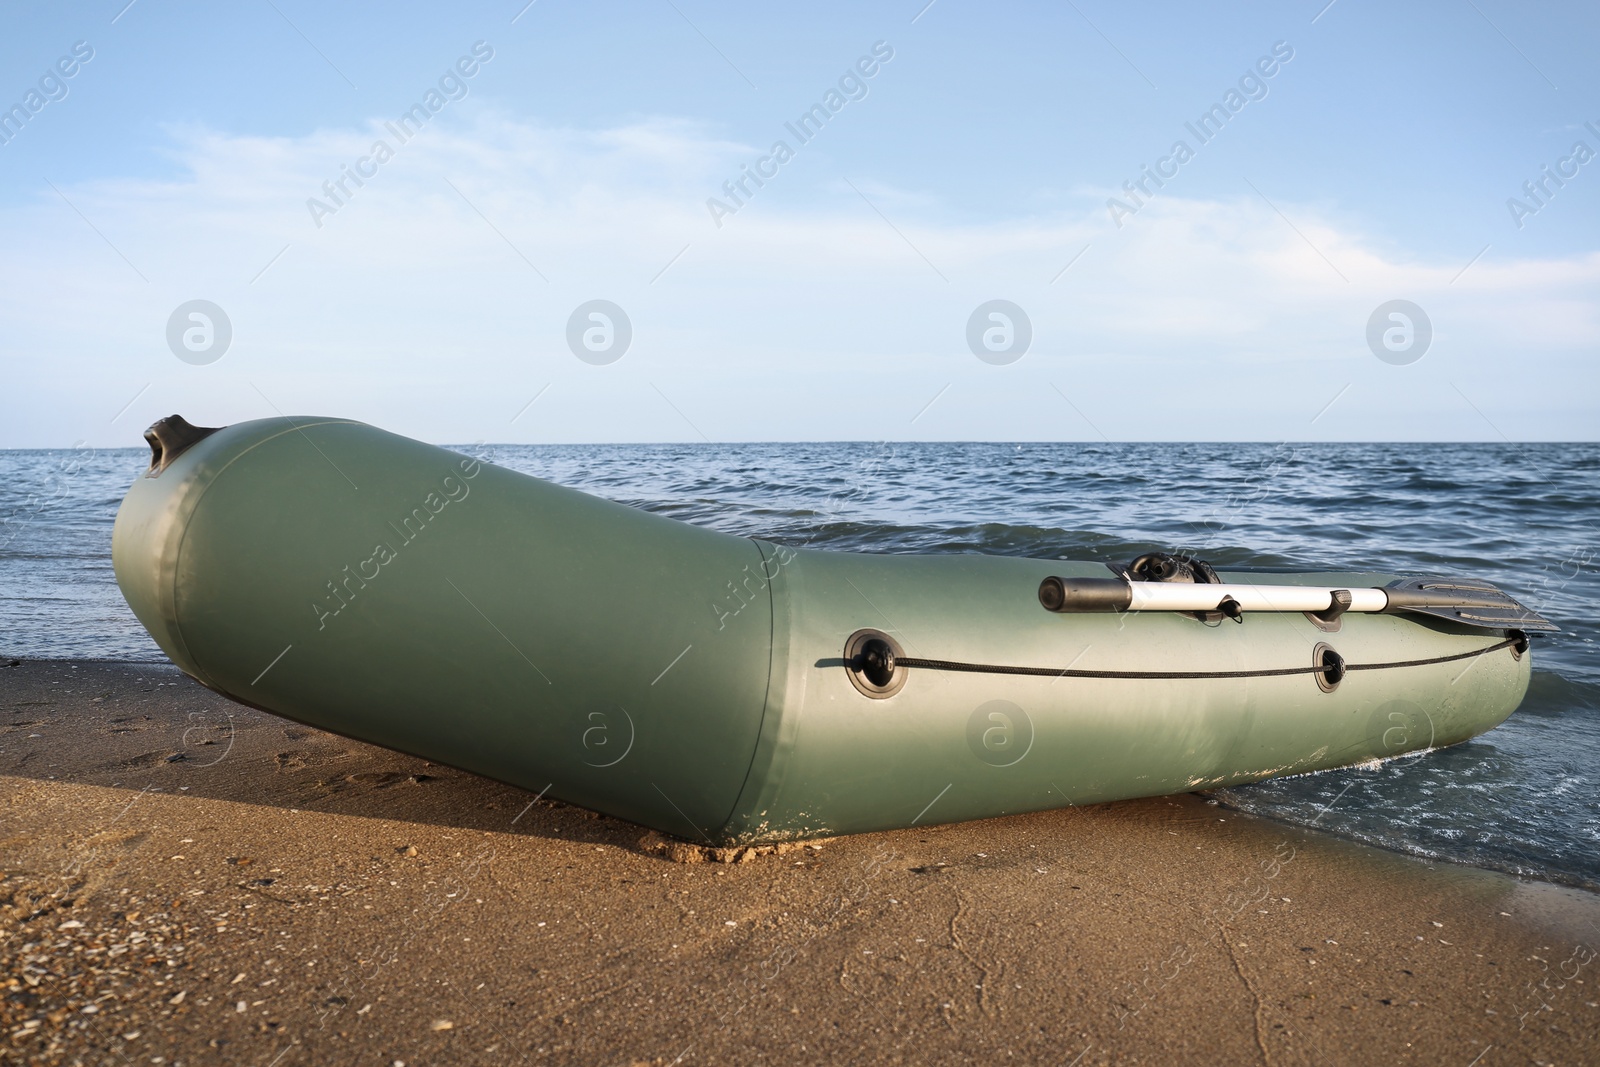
(168, 856)
(1561, 879)
(1556, 878)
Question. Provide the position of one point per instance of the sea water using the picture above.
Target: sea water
(1523, 798)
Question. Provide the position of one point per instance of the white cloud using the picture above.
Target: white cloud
(804, 316)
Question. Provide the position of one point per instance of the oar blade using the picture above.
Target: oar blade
(1467, 602)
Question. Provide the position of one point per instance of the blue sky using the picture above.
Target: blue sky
(1375, 164)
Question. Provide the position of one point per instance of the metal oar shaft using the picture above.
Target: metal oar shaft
(1172, 596)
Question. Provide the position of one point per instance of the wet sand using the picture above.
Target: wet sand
(186, 881)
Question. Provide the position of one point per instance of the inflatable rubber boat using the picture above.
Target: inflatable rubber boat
(730, 690)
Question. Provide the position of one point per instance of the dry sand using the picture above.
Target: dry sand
(186, 881)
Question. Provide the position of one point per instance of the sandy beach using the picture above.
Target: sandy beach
(187, 881)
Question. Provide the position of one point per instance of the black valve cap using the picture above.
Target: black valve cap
(877, 662)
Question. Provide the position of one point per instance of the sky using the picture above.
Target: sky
(1381, 223)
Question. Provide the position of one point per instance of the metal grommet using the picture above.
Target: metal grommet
(1330, 667)
(871, 660)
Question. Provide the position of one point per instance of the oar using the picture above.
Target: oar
(1471, 603)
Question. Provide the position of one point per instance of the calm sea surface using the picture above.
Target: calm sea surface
(1523, 798)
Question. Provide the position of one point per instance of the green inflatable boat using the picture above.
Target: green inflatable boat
(731, 691)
